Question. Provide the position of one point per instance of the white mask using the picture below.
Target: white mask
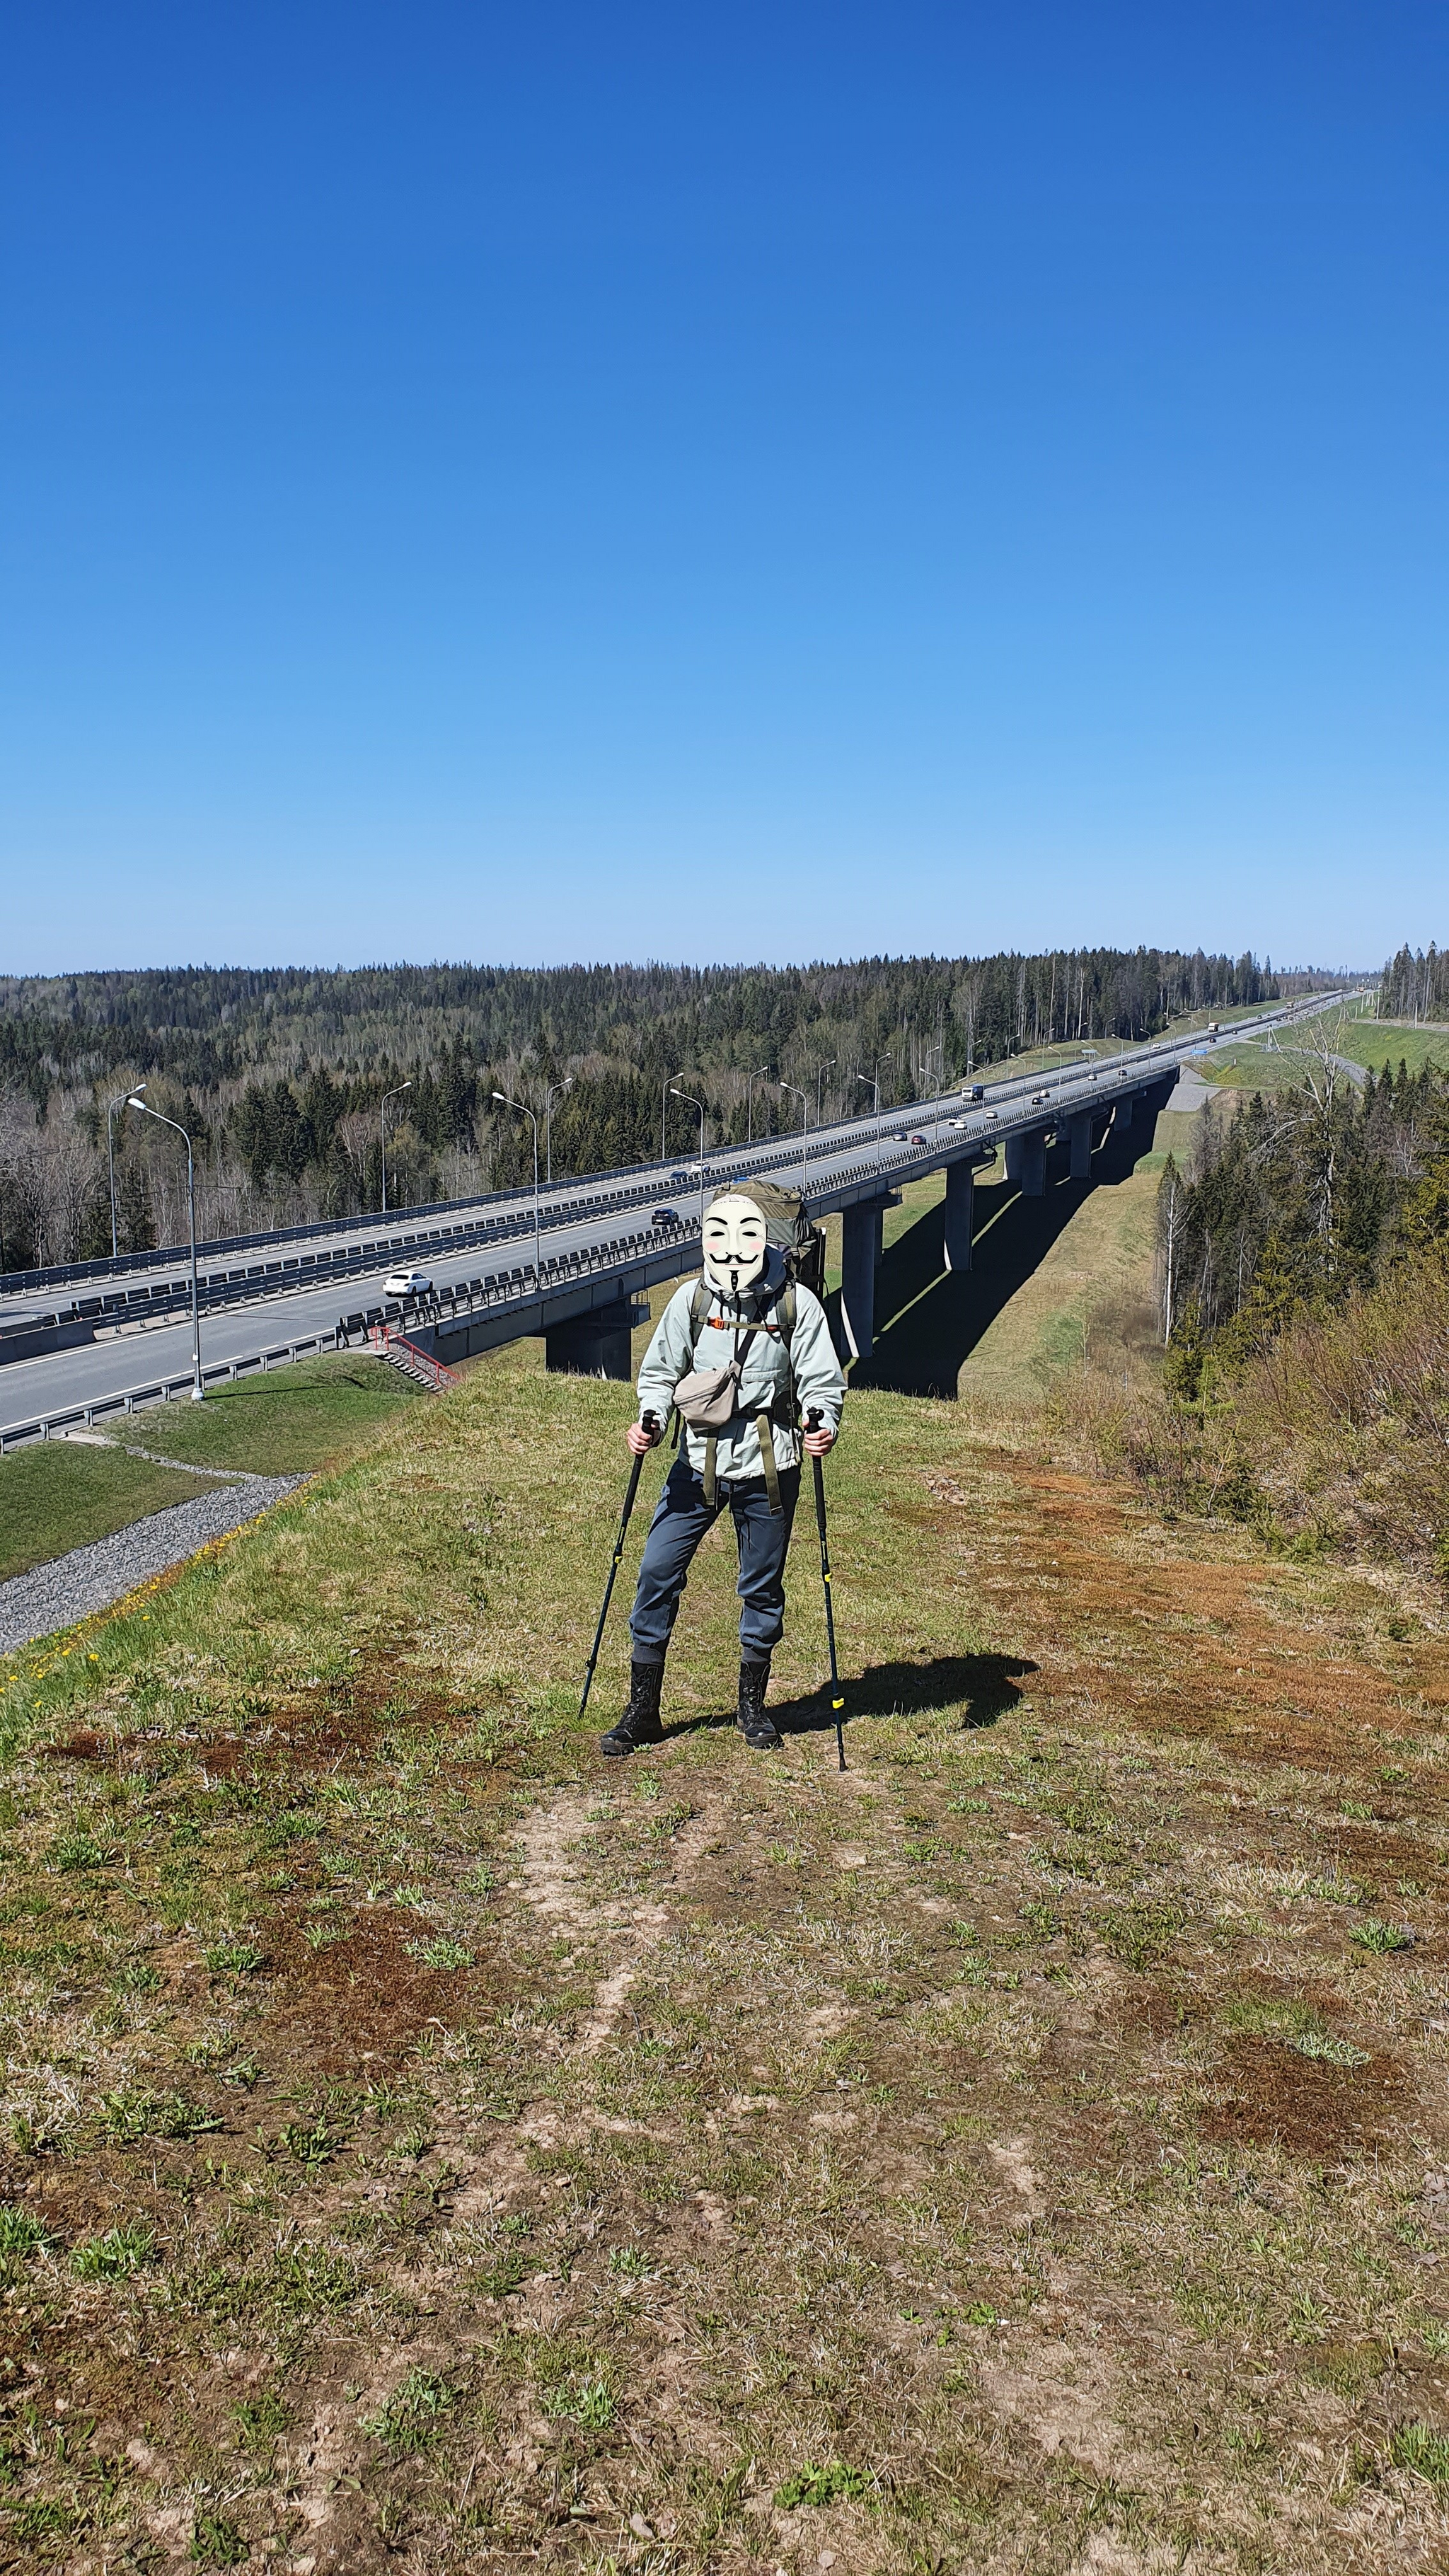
(735, 1243)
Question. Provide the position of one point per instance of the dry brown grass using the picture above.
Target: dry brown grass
(1335, 1437)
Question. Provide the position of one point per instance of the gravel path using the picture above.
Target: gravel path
(91, 1578)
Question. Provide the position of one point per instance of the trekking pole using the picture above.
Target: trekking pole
(631, 1490)
(837, 1700)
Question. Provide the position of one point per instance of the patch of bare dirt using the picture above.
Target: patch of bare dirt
(1267, 2092)
(358, 2003)
(1061, 2395)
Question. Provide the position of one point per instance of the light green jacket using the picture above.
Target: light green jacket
(765, 1384)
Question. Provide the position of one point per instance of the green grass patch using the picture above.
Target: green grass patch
(828, 2485)
(287, 1423)
(414, 2417)
(60, 1494)
(1425, 2453)
(1394, 1042)
(115, 2255)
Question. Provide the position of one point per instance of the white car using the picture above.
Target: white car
(406, 1283)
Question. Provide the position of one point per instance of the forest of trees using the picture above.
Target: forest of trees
(279, 1075)
(1415, 985)
(1300, 1200)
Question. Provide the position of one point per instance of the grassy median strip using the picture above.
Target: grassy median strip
(426, 2146)
(285, 1423)
(60, 1494)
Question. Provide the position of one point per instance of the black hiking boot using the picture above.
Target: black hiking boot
(760, 1732)
(640, 1721)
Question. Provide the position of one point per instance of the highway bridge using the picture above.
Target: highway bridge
(84, 1343)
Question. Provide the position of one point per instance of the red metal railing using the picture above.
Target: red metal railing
(384, 1339)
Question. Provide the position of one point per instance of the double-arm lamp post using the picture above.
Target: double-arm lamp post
(112, 1105)
(525, 1112)
(804, 1099)
(135, 1101)
(549, 1097)
(699, 1105)
(386, 1097)
(759, 1075)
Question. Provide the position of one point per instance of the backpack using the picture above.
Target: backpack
(788, 1227)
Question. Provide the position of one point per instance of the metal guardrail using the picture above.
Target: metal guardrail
(166, 1390)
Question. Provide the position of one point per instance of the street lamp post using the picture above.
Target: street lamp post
(112, 1106)
(664, 1112)
(134, 1101)
(699, 1105)
(382, 1121)
(761, 1070)
(804, 1099)
(548, 1099)
(874, 1078)
(525, 1112)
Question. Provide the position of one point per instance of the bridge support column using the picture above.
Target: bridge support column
(1026, 1163)
(1079, 1131)
(593, 1345)
(860, 1252)
(959, 1214)
(1122, 1115)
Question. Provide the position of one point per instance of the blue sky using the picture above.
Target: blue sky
(612, 480)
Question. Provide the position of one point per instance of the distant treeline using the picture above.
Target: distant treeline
(280, 1074)
(209, 1026)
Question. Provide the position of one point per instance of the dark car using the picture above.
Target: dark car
(665, 1216)
(684, 1180)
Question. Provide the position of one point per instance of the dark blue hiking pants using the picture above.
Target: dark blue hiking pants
(680, 1523)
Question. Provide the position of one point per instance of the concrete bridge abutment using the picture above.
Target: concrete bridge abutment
(598, 1344)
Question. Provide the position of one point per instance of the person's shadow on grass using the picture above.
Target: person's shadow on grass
(983, 1687)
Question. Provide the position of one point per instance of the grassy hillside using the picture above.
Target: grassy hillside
(284, 1423)
(427, 2147)
(64, 1494)
(1395, 1042)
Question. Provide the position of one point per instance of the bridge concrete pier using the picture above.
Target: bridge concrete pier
(1079, 1133)
(959, 1214)
(860, 1258)
(1026, 1162)
(597, 1344)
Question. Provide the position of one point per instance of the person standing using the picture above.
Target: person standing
(739, 1354)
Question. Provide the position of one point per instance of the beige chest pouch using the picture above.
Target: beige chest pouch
(708, 1400)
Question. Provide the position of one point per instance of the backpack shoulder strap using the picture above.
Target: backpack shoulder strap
(699, 1306)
